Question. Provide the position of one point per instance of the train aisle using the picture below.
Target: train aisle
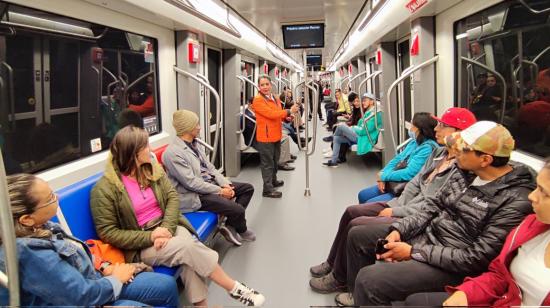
(295, 232)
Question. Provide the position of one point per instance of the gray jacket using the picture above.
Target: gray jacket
(417, 190)
(184, 171)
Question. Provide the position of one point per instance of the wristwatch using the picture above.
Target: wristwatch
(104, 265)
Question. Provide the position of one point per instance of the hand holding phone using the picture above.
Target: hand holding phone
(380, 249)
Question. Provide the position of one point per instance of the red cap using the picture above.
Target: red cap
(460, 118)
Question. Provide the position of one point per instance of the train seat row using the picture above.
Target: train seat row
(74, 212)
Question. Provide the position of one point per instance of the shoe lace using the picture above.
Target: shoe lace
(246, 295)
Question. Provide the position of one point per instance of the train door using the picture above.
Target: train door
(213, 69)
(404, 88)
(42, 75)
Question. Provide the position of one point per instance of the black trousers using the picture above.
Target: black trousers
(269, 159)
(233, 210)
(381, 283)
(432, 299)
(355, 215)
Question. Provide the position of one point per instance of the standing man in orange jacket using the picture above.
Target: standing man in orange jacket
(269, 117)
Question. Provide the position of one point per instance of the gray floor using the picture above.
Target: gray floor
(294, 232)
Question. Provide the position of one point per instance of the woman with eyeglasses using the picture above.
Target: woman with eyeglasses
(136, 208)
(57, 269)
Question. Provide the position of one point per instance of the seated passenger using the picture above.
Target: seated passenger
(147, 108)
(330, 276)
(136, 208)
(342, 108)
(519, 275)
(201, 187)
(55, 269)
(456, 233)
(405, 165)
(352, 120)
(362, 132)
(486, 104)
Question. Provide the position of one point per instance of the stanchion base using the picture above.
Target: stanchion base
(307, 192)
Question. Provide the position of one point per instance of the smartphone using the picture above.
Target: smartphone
(380, 246)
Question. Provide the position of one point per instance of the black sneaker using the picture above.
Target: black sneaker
(230, 235)
(278, 183)
(293, 156)
(328, 139)
(272, 194)
(330, 163)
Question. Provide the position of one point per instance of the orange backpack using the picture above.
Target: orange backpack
(104, 252)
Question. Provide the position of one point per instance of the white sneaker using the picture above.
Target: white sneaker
(246, 295)
(328, 154)
(327, 150)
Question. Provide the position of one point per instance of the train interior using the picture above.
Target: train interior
(70, 68)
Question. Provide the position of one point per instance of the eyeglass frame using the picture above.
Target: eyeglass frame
(50, 202)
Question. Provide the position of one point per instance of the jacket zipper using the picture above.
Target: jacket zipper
(266, 132)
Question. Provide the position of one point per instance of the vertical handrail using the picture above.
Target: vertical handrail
(208, 131)
(406, 73)
(244, 80)
(218, 108)
(99, 88)
(11, 94)
(307, 191)
(315, 114)
(297, 119)
(273, 83)
(504, 85)
(8, 238)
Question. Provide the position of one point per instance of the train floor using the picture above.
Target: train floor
(294, 232)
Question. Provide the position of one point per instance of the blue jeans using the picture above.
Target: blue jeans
(373, 194)
(342, 134)
(149, 289)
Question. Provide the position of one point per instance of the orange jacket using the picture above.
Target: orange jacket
(269, 114)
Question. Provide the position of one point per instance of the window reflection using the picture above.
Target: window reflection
(512, 42)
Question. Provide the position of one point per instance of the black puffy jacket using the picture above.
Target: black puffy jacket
(462, 228)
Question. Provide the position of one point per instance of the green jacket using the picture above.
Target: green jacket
(114, 216)
(364, 143)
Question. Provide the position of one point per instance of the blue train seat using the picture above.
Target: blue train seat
(74, 204)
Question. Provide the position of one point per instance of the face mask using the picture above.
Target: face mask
(412, 135)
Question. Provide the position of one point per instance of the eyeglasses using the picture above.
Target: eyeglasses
(53, 199)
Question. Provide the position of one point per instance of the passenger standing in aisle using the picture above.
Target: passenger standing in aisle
(269, 117)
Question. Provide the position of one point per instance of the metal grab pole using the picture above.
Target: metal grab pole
(355, 77)
(11, 93)
(342, 81)
(496, 74)
(406, 73)
(297, 119)
(244, 80)
(307, 191)
(315, 114)
(218, 109)
(8, 239)
(369, 77)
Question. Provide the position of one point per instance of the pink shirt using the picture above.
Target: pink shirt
(144, 201)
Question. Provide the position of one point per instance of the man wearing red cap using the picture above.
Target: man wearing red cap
(330, 276)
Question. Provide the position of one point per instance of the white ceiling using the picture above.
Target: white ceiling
(268, 16)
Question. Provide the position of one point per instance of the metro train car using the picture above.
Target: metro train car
(276, 124)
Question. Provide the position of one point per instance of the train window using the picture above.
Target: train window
(248, 70)
(503, 70)
(65, 85)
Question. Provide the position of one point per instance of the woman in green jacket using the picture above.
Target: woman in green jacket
(136, 208)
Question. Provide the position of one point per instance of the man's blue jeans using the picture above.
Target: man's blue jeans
(342, 134)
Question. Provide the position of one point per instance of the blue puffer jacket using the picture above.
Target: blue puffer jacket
(54, 271)
(417, 156)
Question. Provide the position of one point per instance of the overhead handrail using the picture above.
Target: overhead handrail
(527, 6)
(11, 93)
(24, 26)
(218, 109)
(8, 239)
(406, 73)
(369, 77)
(494, 72)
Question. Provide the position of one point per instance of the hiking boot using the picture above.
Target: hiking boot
(344, 300)
(246, 295)
(327, 284)
(230, 235)
(320, 270)
(248, 236)
(272, 194)
(332, 164)
(278, 183)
